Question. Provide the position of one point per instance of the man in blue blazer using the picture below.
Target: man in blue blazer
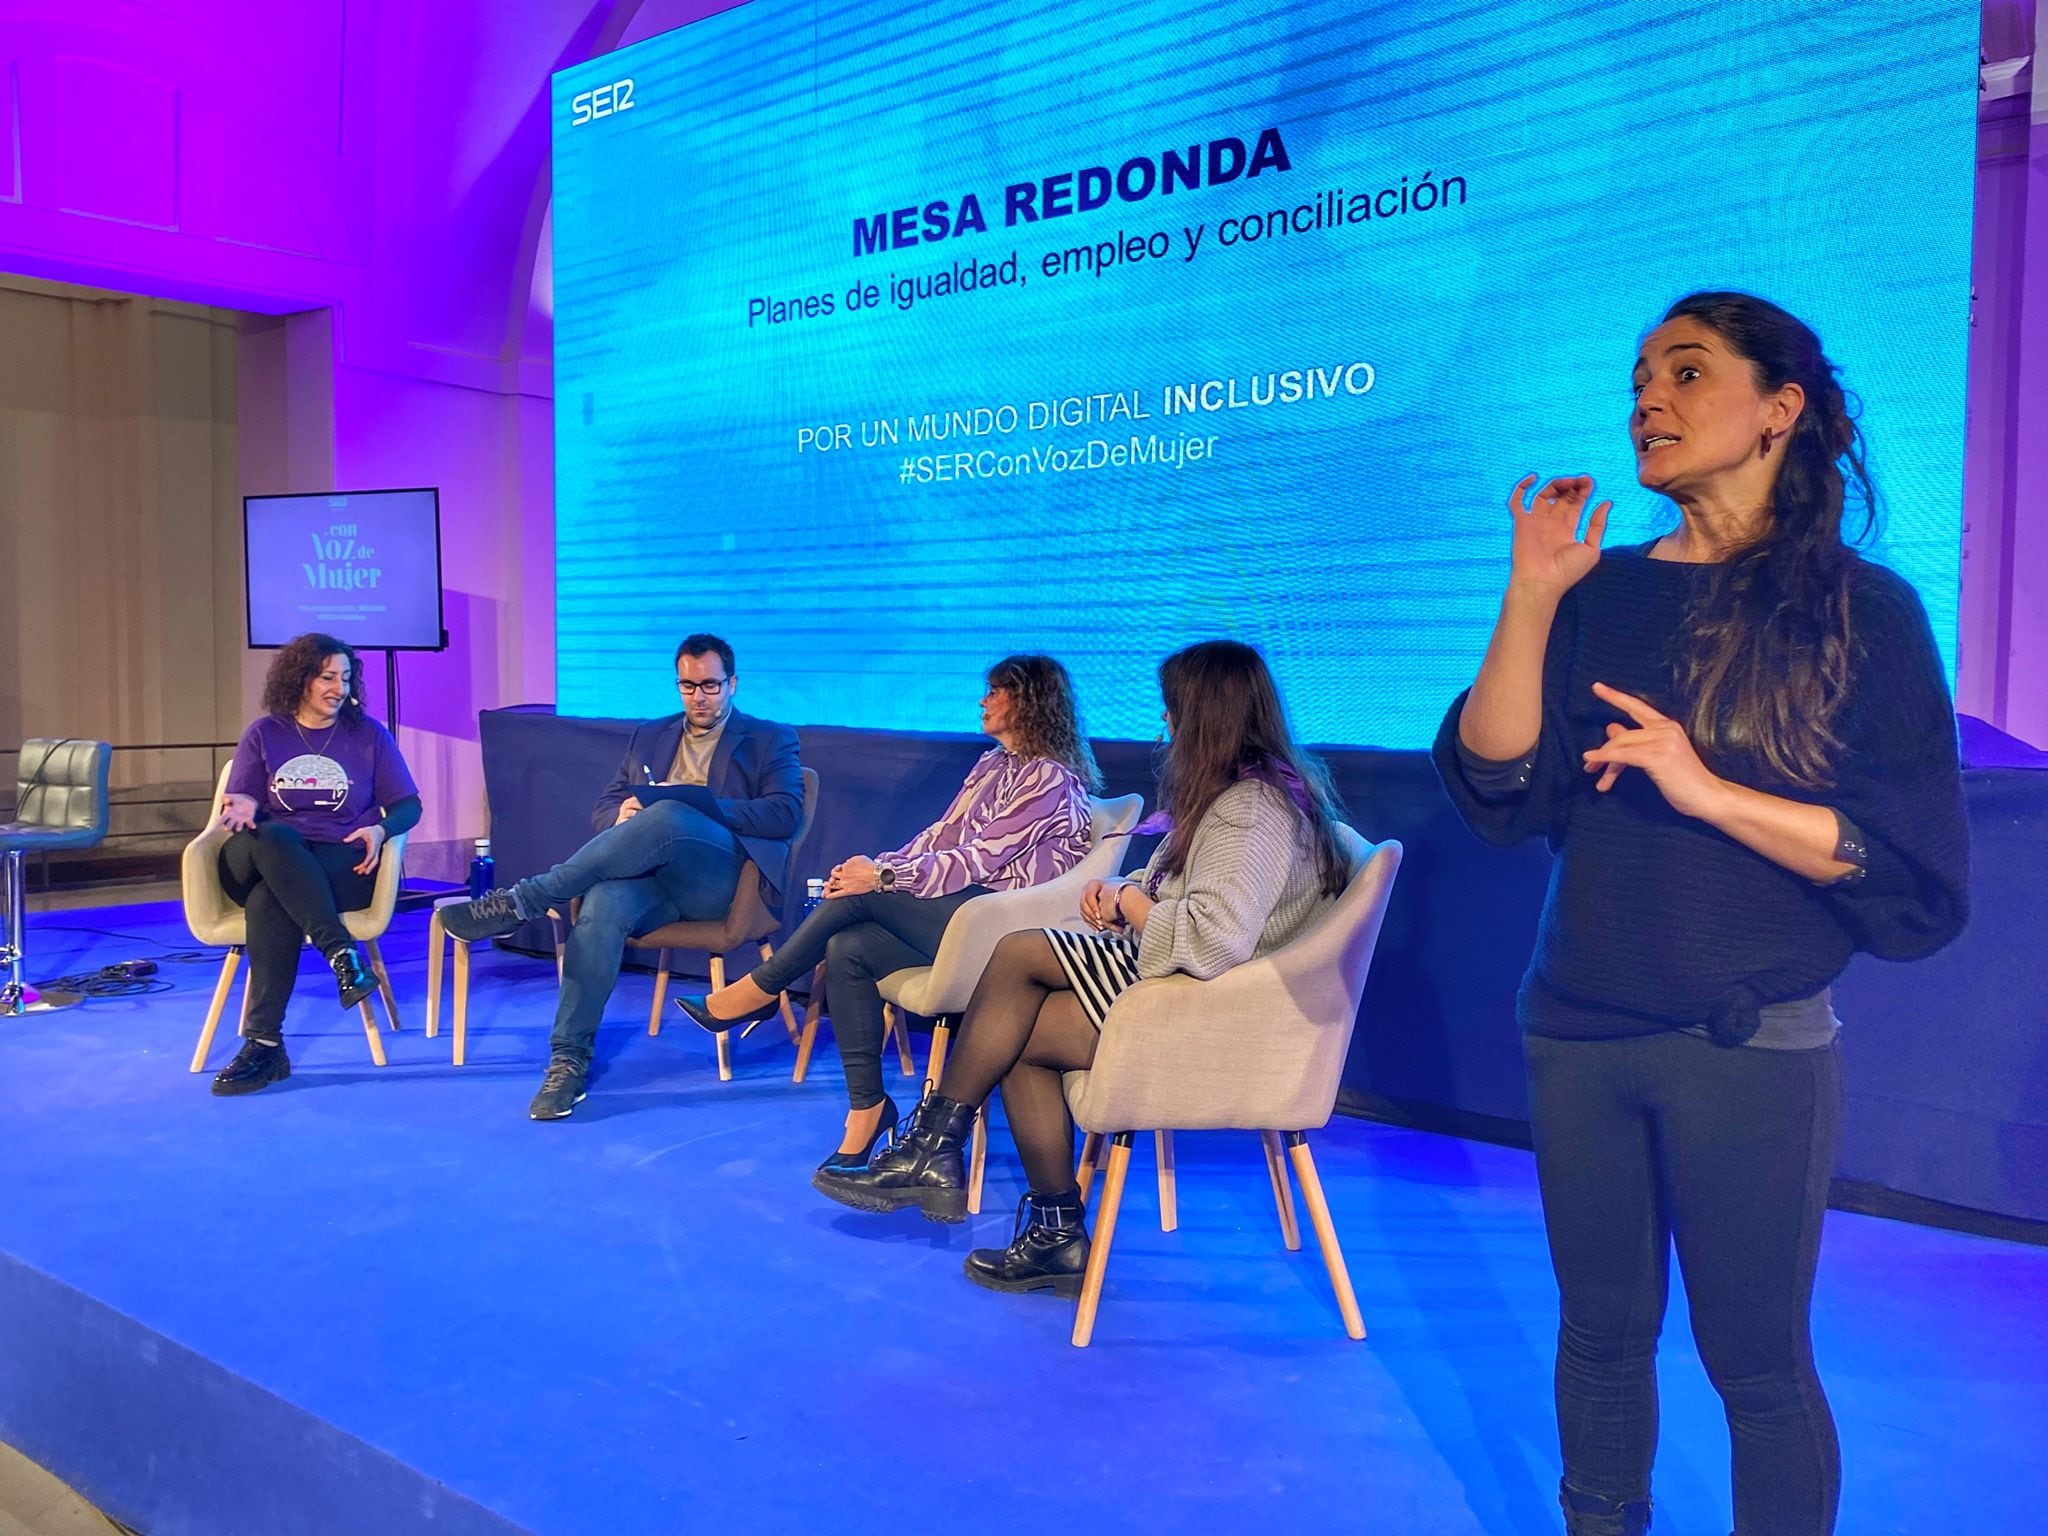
(656, 860)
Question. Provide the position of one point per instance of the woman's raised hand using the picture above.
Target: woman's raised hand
(1659, 746)
(1547, 551)
(238, 812)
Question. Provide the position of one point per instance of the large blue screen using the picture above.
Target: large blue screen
(890, 339)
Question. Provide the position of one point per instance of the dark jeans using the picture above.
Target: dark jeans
(291, 891)
(861, 939)
(1662, 1138)
(669, 864)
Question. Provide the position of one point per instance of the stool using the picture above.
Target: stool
(60, 801)
(438, 937)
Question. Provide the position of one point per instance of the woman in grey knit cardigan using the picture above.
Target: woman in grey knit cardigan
(1249, 860)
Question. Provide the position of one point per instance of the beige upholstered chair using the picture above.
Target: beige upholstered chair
(215, 919)
(1259, 1048)
(940, 991)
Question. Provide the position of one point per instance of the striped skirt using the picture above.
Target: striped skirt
(1098, 967)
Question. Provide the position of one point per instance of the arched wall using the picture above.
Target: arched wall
(369, 182)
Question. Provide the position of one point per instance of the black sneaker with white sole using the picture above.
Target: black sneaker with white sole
(491, 916)
(561, 1090)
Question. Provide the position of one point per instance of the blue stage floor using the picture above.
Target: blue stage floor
(385, 1301)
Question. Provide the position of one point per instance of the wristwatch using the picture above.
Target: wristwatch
(885, 878)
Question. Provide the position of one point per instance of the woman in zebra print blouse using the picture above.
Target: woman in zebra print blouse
(1021, 819)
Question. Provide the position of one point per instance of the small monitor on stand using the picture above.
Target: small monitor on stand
(363, 566)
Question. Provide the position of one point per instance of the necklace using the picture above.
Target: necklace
(318, 751)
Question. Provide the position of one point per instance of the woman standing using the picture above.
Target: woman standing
(1021, 819)
(1739, 742)
(1250, 860)
(316, 789)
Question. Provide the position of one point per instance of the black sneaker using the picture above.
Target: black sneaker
(561, 1090)
(256, 1065)
(490, 916)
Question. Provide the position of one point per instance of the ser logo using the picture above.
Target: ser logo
(605, 101)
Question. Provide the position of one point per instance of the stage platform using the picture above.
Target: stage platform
(384, 1301)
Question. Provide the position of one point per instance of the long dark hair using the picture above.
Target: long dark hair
(1047, 721)
(300, 661)
(1769, 644)
(1228, 720)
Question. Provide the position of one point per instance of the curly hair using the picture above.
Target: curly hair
(300, 661)
(1047, 722)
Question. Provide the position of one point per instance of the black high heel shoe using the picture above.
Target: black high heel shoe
(703, 1018)
(849, 1162)
(926, 1169)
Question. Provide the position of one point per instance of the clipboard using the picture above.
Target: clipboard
(695, 796)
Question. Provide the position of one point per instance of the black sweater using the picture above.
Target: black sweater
(1657, 921)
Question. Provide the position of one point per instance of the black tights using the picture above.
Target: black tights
(1023, 1029)
(291, 890)
(1661, 1139)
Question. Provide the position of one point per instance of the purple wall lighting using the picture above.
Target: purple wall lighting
(387, 163)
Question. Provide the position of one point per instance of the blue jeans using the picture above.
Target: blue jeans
(669, 864)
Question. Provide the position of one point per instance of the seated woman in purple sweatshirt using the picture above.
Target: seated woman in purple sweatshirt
(1021, 819)
(316, 789)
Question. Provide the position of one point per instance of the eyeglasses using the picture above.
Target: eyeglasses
(711, 688)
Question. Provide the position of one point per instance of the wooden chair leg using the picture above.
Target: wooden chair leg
(1091, 1158)
(1326, 1232)
(935, 1066)
(977, 1160)
(1283, 1190)
(660, 994)
(1105, 1231)
(809, 1038)
(230, 963)
(242, 1018)
(892, 1024)
(560, 925)
(437, 944)
(384, 984)
(1169, 1206)
(788, 1012)
(370, 1029)
(461, 1002)
(725, 1035)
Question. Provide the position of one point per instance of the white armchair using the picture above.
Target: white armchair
(215, 919)
(1259, 1048)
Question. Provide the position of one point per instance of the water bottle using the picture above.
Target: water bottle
(814, 892)
(482, 870)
